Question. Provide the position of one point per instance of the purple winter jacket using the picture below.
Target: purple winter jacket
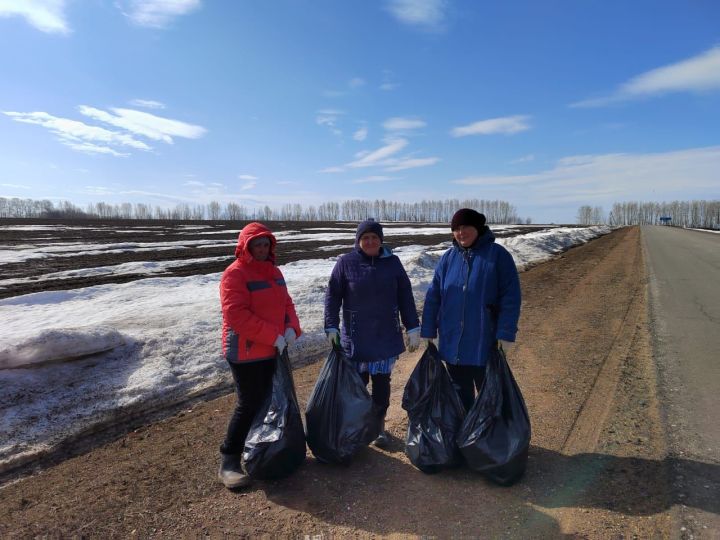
(373, 292)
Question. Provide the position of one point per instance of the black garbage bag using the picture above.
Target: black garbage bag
(495, 437)
(275, 444)
(339, 416)
(435, 414)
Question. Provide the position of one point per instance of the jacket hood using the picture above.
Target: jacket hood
(250, 232)
(384, 252)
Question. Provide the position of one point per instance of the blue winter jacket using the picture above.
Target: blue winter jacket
(473, 301)
(372, 291)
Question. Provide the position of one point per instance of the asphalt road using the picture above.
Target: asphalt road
(684, 272)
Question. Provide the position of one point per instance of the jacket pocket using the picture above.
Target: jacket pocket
(232, 343)
(492, 311)
(350, 322)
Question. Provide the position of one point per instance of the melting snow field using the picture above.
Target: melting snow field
(75, 360)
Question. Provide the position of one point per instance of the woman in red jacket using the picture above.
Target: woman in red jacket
(259, 321)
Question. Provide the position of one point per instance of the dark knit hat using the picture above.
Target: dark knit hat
(468, 216)
(369, 225)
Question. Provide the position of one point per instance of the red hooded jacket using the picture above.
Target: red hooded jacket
(256, 306)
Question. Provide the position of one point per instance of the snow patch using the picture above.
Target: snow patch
(58, 344)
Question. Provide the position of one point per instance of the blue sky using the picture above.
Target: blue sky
(548, 105)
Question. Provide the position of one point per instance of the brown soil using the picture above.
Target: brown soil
(597, 466)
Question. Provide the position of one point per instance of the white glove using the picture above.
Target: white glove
(290, 336)
(413, 340)
(333, 337)
(506, 346)
(280, 344)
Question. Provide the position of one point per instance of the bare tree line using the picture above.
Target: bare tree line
(695, 214)
(591, 215)
(435, 211)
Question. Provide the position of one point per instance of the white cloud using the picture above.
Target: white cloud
(156, 13)
(98, 140)
(695, 74)
(361, 134)
(193, 183)
(90, 148)
(374, 158)
(172, 197)
(388, 83)
(333, 93)
(145, 124)
(411, 163)
(700, 73)
(247, 177)
(384, 157)
(147, 104)
(524, 159)
(325, 120)
(80, 136)
(18, 186)
(371, 179)
(97, 190)
(248, 185)
(356, 82)
(499, 180)
(506, 125)
(607, 178)
(425, 13)
(45, 15)
(329, 119)
(403, 124)
(330, 112)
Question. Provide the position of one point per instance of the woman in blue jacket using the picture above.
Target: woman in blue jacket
(473, 302)
(371, 286)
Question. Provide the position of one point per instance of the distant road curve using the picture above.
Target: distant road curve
(684, 271)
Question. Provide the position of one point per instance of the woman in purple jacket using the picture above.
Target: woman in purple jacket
(371, 286)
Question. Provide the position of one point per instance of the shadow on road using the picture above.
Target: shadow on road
(383, 494)
(633, 486)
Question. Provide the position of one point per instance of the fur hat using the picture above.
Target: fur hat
(369, 225)
(468, 216)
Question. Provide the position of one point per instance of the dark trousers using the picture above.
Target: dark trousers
(253, 382)
(380, 391)
(466, 380)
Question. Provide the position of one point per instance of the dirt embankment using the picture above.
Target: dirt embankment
(597, 465)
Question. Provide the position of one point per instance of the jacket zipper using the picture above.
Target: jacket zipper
(466, 261)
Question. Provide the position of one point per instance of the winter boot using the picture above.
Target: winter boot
(231, 473)
(382, 440)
